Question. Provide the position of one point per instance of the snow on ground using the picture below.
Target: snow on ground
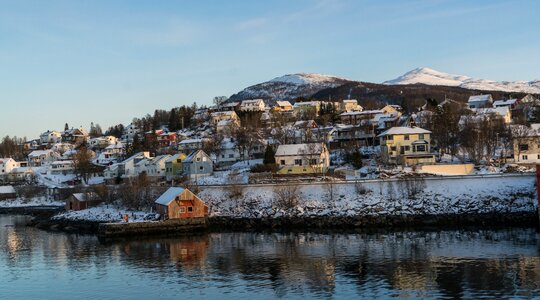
(413, 196)
(107, 213)
(96, 180)
(37, 201)
(246, 164)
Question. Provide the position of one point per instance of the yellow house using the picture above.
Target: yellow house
(406, 145)
(283, 106)
(173, 166)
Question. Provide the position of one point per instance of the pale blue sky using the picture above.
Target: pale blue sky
(109, 61)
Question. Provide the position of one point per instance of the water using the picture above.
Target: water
(472, 264)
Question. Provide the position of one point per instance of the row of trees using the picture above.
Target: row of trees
(12, 147)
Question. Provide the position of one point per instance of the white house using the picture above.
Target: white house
(313, 155)
(39, 158)
(480, 101)
(102, 142)
(252, 105)
(510, 103)
(223, 115)
(61, 167)
(127, 167)
(7, 165)
(130, 131)
(50, 137)
(189, 145)
(503, 112)
(349, 105)
(156, 167)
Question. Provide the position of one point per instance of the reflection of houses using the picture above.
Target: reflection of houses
(303, 158)
(180, 203)
(406, 145)
(190, 251)
(80, 201)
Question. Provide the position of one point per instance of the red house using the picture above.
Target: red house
(80, 201)
(180, 203)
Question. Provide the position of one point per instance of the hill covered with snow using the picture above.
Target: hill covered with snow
(429, 76)
(290, 87)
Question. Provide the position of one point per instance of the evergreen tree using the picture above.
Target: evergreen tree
(269, 156)
(66, 127)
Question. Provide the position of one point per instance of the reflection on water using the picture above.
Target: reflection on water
(451, 264)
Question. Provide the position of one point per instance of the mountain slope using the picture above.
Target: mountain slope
(289, 87)
(432, 77)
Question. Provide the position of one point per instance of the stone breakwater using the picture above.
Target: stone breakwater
(173, 226)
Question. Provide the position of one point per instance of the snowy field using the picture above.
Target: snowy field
(108, 213)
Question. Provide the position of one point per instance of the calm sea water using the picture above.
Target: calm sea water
(470, 264)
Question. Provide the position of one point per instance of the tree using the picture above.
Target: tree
(269, 156)
(95, 131)
(66, 127)
(82, 163)
(218, 100)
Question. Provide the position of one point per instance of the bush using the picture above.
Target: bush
(261, 168)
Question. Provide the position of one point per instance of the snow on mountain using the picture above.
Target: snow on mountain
(289, 87)
(432, 77)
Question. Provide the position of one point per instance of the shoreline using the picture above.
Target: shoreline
(289, 224)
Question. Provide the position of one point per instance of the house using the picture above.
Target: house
(112, 153)
(80, 201)
(125, 168)
(349, 105)
(252, 105)
(488, 112)
(156, 166)
(180, 203)
(283, 106)
(510, 103)
(102, 142)
(75, 136)
(359, 117)
(165, 139)
(229, 106)
(61, 167)
(20, 174)
(7, 192)
(50, 137)
(227, 126)
(312, 157)
(480, 101)
(38, 158)
(7, 165)
(130, 132)
(406, 145)
(223, 115)
(190, 145)
(526, 144)
(173, 166)
(197, 164)
(307, 108)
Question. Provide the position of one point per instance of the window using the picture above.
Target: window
(523, 147)
(231, 155)
(390, 137)
(421, 148)
(421, 136)
(190, 209)
(198, 159)
(406, 137)
(182, 209)
(282, 162)
(524, 157)
(393, 148)
(313, 161)
(407, 148)
(201, 168)
(178, 160)
(298, 162)
(538, 156)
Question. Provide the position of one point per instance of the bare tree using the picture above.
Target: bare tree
(286, 196)
(82, 163)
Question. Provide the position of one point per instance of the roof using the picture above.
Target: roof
(283, 103)
(7, 189)
(501, 111)
(193, 154)
(404, 130)
(296, 149)
(257, 101)
(169, 195)
(365, 112)
(350, 101)
(480, 98)
(86, 196)
(39, 153)
(191, 141)
(504, 102)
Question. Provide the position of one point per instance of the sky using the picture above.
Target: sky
(109, 61)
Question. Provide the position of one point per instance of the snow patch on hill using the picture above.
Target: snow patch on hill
(432, 77)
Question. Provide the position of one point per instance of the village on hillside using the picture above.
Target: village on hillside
(258, 142)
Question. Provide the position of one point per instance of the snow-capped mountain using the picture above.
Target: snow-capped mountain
(432, 77)
(290, 87)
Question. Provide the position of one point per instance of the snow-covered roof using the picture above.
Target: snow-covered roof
(404, 130)
(298, 149)
(169, 195)
(501, 111)
(191, 141)
(118, 145)
(86, 196)
(37, 153)
(230, 104)
(5, 160)
(224, 123)
(194, 154)
(7, 189)
(174, 157)
(349, 101)
(365, 112)
(252, 101)
(283, 103)
(310, 103)
(480, 98)
(506, 102)
(220, 113)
